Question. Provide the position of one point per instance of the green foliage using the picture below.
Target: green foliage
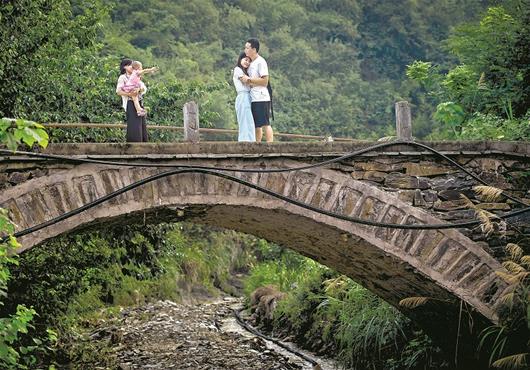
(333, 71)
(73, 265)
(508, 342)
(279, 267)
(450, 114)
(10, 328)
(414, 30)
(418, 353)
(208, 259)
(490, 81)
(487, 126)
(420, 71)
(14, 132)
(14, 326)
(333, 315)
(42, 44)
(129, 265)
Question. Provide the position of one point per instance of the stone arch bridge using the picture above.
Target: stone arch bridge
(397, 185)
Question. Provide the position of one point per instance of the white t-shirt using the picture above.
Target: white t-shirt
(122, 80)
(240, 86)
(258, 68)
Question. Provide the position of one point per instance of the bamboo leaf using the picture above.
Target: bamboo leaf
(468, 202)
(514, 251)
(507, 277)
(512, 279)
(507, 299)
(485, 220)
(518, 361)
(413, 302)
(525, 261)
(488, 193)
(513, 267)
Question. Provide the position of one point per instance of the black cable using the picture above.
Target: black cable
(271, 170)
(258, 188)
(254, 331)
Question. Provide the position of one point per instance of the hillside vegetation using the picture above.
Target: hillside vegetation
(337, 67)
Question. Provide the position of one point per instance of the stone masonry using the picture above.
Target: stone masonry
(394, 185)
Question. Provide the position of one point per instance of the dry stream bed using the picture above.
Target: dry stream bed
(167, 335)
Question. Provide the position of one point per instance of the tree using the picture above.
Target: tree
(488, 87)
(12, 133)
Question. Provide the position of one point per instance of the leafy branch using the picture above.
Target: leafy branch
(16, 131)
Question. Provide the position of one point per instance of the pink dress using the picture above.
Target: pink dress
(132, 83)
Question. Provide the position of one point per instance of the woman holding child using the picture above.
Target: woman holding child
(243, 107)
(131, 89)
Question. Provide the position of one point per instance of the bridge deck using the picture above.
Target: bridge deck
(298, 149)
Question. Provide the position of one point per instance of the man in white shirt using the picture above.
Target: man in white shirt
(258, 78)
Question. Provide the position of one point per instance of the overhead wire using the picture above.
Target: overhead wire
(226, 176)
(265, 170)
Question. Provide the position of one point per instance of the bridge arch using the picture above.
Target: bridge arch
(394, 264)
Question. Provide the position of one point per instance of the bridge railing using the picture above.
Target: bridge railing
(178, 131)
(191, 131)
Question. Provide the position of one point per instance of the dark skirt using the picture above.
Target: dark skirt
(136, 126)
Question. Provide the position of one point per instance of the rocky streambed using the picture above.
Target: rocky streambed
(167, 335)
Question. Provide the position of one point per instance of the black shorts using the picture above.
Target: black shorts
(261, 111)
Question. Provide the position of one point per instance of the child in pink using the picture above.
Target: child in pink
(132, 85)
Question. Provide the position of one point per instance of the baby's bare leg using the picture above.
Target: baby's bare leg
(136, 102)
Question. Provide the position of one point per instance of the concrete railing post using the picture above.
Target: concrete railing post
(403, 121)
(191, 122)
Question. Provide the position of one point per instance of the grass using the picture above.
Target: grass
(330, 314)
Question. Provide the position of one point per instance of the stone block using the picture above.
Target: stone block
(371, 209)
(450, 205)
(494, 206)
(376, 166)
(38, 173)
(402, 181)
(346, 200)
(497, 180)
(450, 194)
(19, 177)
(451, 182)
(375, 176)
(301, 184)
(426, 169)
(489, 164)
(406, 195)
(323, 193)
(458, 215)
(357, 175)
(418, 199)
(430, 196)
(276, 182)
